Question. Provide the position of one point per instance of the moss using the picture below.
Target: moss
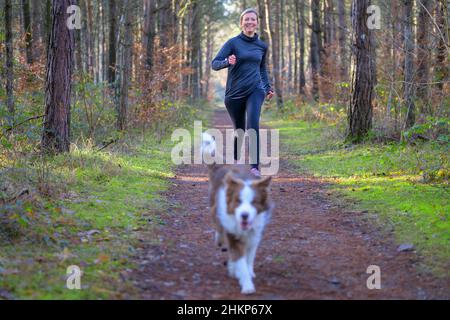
(112, 194)
(388, 180)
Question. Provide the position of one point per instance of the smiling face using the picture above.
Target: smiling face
(249, 23)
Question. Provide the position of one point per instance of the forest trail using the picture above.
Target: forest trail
(312, 248)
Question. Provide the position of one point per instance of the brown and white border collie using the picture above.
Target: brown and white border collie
(241, 207)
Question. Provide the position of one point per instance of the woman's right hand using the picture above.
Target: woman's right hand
(232, 59)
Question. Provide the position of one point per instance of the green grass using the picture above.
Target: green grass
(86, 208)
(111, 194)
(392, 181)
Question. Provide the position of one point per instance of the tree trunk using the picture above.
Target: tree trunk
(90, 40)
(328, 56)
(274, 28)
(125, 65)
(290, 61)
(28, 31)
(188, 52)
(209, 57)
(55, 138)
(442, 66)
(296, 61)
(112, 41)
(360, 109)
(183, 54)
(263, 21)
(84, 33)
(329, 23)
(315, 48)
(343, 40)
(393, 67)
(48, 24)
(195, 54)
(300, 12)
(164, 22)
(78, 53)
(423, 53)
(149, 32)
(38, 30)
(280, 25)
(243, 5)
(103, 42)
(265, 34)
(409, 83)
(9, 63)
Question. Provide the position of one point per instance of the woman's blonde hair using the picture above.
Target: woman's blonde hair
(248, 11)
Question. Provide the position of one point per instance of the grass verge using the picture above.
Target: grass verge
(404, 186)
(85, 208)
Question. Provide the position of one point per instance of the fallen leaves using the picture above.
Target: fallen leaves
(102, 258)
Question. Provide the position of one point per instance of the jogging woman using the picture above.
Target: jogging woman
(247, 83)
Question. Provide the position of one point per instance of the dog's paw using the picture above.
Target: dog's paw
(248, 289)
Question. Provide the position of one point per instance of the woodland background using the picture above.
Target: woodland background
(84, 113)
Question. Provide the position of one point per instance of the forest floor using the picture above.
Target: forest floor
(314, 247)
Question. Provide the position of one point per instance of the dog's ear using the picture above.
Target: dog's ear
(263, 183)
(230, 180)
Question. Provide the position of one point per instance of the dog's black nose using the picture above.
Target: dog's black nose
(244, 216)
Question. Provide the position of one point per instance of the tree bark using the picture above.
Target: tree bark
(423, 52)
(328, 55)
(164, 22)
(187, 35)
(274, 28)
(343, 41)
(329, 35)
(360, 108)
(281, 4)
(125, 65)
(265, 33)
(315, 48)
(112, 41)
(209, 57)
(442, 65)
(300, 11)
(28, 31)
(9, 63)
(90, 40)
(195, 54)
(149, 30)
(243, 5)
(289, 48)
(78, 53)
(263, 21)
(38, 30)
(48, 24)
(55, 138)
(409, 82)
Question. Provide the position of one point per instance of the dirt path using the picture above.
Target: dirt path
(310, 250)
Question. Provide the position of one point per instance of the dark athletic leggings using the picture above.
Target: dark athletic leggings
(238, 109)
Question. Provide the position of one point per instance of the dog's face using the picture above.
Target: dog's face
(246, 199)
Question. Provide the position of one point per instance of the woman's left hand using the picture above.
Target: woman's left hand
(270, 95)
